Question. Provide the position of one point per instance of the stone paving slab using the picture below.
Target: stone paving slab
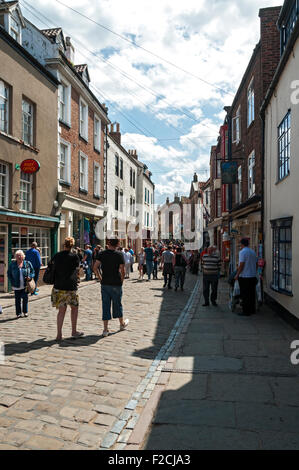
(244, 398)
(79, 394)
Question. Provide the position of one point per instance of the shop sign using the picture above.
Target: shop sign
(30, 166)
(229, 172)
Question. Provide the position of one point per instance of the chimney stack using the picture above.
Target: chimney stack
(116, 135)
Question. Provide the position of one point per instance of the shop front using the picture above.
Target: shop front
(18, 231)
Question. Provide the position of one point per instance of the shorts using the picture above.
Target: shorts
(62, 298)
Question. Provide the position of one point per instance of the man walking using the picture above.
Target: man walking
(149, 259)
(33, 255)
(246, 275)
(128, 262)
(88, 259)
(167, 266)
(211, 264)
(113, 273)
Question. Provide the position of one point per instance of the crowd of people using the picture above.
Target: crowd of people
(112, 265)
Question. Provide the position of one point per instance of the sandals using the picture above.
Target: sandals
(78, 335)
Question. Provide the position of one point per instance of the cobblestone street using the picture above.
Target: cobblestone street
(86, 393)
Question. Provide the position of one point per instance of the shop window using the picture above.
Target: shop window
(26, 192)
(23, 236)
(282, 255)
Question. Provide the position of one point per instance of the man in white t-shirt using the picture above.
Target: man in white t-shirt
(128, 261)
(246, 275)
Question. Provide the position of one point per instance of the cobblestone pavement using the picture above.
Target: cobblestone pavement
(86, 393)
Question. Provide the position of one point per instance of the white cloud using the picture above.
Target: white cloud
(211, 39)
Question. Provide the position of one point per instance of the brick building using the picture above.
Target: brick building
(246, 138)
(81, 137)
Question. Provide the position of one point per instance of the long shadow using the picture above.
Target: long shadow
(24, 347)
(170, 309)
(222, 394)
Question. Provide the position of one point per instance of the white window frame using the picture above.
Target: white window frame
(97, 180)
(83, 174)
(26, 182)
(15, 34)
(97, 126)
(250, 103)
(237, 126)
(239, 186)
(4, 182)
(5, 99)
(67, 165)
(30, 118)
(251, 175)
(83, 119)
(66, 102)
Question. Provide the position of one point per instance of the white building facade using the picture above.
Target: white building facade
(280, 112)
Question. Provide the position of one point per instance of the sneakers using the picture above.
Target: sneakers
(78, 335)
(124, 325)
(105, 334)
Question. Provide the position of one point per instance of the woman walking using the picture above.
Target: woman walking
(64, 293)
(19, 272)
(179, 264)
(141, 264)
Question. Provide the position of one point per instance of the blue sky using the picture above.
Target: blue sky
(168, 94)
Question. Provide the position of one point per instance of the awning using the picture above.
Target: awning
(44, 218)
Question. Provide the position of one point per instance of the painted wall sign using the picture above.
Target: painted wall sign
(30, 166)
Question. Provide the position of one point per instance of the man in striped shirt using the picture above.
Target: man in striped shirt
(211, 269)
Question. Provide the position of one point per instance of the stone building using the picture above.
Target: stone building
(28, 131)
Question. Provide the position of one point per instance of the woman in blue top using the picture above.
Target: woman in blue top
(19, 271)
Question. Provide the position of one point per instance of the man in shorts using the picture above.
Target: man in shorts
(112, 265)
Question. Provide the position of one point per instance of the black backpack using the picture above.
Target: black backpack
(49, 274)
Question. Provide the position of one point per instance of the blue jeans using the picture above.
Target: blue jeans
(88, 273)
(149, 268)
(112, 294)
(19, 295)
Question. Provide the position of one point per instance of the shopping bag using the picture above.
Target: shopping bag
(236, 290)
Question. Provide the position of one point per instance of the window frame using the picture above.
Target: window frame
(278, 240)
(68, 90)
(116, 199)
(83, 157)
(251, 180)
(32, 119)
(250, 103)
(29, 184)
(96, 181)
(6, 112)
(68, 146)
(284, 138)
(97, 137)
(83, 120)
(236, 126)
(6, 185)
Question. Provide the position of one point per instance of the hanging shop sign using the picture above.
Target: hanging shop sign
(30, 166)
(229, 172)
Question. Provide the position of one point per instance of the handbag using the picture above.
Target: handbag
(49, 274)
(30, 284)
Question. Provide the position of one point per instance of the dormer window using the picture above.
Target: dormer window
(12, 20)
(14, 29)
